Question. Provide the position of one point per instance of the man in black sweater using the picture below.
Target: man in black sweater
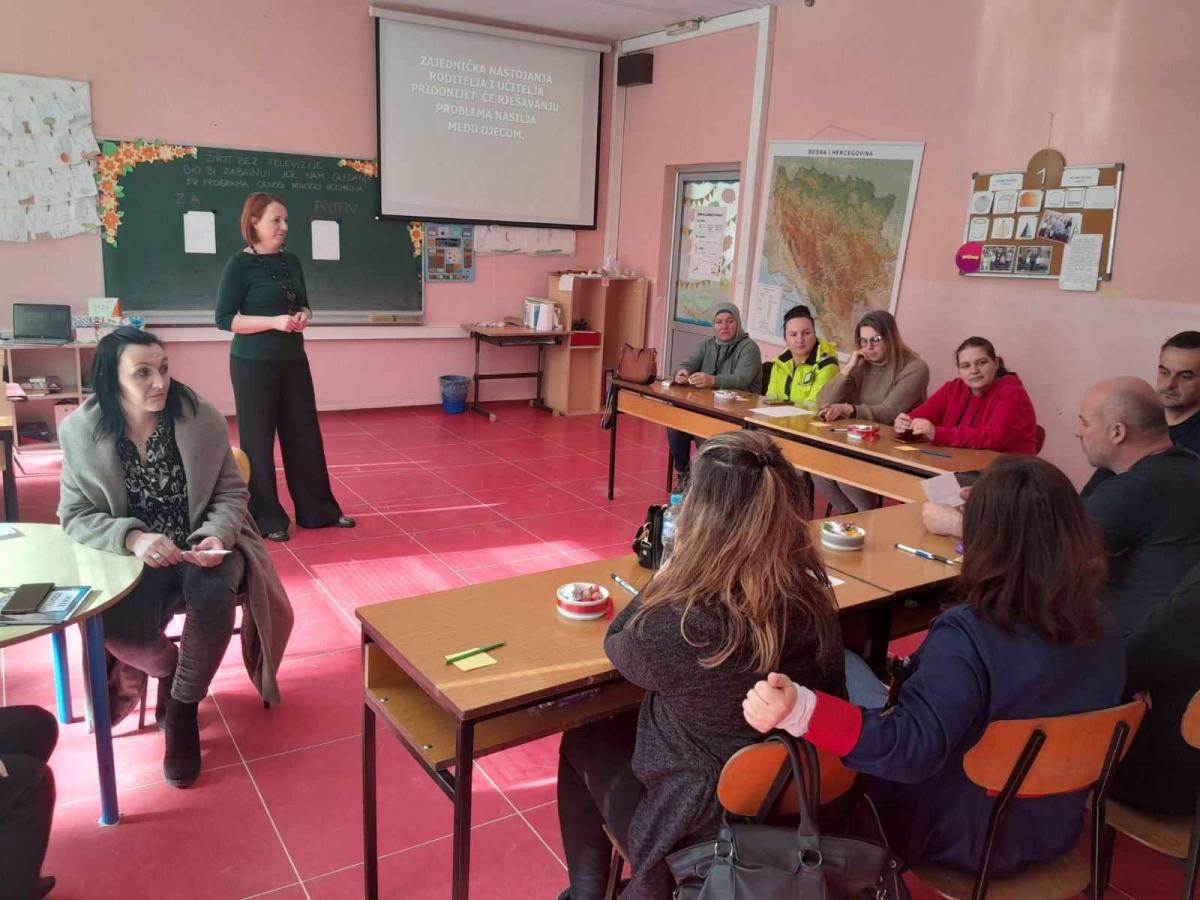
(1148, 513)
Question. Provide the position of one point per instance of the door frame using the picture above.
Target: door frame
(694, 172)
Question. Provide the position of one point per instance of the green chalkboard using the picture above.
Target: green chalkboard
(146, 188)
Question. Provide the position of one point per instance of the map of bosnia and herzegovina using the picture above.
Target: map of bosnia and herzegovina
(833, 238)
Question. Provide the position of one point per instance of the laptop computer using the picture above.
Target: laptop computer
(41, 323)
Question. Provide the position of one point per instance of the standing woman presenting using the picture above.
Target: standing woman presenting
(263, 301)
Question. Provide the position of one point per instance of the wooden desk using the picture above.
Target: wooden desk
(44, 553)
(880, 563)
(695, 411)
(883, 450)
(511, 336)
(446, 718)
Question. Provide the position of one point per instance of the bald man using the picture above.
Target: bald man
(1148, 514)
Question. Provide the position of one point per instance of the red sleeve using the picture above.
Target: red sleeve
(934, 409)
(1010, 427)
(835, 724)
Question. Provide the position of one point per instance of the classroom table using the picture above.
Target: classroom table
(920, 458)
(552, 675)
(45, 553)
(511, 336)
(880, 563)
(696, 411)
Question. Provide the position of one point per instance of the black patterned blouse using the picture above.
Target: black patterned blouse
(157, 488)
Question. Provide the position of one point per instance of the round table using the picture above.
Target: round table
(44, 553)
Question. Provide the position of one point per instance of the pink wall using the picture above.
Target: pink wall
(285, 75)
(696, 111)
(977, 82)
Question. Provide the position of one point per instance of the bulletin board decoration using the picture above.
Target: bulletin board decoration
(449, 252)
(1025, 220)
(118, 159)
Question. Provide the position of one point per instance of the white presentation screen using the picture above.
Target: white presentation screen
(476, 127)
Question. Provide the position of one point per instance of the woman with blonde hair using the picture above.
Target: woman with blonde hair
(729, 604)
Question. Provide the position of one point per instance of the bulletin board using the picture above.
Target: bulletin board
(355, 266)
(1025, 220)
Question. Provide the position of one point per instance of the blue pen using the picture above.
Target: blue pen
(925, 554)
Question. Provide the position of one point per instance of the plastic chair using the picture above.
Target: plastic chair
(1176, 836)
(766, 376)
(754, 783)
(1039, 758)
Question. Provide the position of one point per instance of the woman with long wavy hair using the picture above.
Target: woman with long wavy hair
(744, 592)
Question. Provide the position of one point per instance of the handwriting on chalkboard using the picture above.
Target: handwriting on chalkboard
(254, 173)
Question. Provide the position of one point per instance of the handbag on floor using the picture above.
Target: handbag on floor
(755, 861)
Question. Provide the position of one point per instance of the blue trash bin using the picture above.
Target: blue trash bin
(454, 392)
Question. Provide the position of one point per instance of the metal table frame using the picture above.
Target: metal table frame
(512, 341)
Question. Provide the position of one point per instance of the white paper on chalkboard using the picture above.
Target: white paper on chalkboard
(199, 231)
(326, 239)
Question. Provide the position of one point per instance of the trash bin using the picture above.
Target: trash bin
(454, 392)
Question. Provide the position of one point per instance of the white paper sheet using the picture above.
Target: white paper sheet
(566, 282)
(199, 231)
(1100, 198)
(1080, 176)
(1007, 181)
(781, 412)
(707, 252)
(943, 489)
(1081, 263)
(978, 229)
(326, 239)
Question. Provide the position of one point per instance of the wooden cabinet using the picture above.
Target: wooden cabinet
(613, 306)
(70, 364)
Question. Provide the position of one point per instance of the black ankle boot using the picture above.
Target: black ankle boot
(181, 761)
(160, 703)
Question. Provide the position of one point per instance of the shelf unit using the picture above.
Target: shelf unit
(613, 305)
(68, 362)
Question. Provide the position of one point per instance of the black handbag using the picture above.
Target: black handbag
(755, 861)
(647, 543)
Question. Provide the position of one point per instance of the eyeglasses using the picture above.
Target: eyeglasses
(871, 342)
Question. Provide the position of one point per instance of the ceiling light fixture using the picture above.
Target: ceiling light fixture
(685, 26)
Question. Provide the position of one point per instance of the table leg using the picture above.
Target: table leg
(475, 407)
(62, 677)
(98, 679)
(370, 836)
(612, 450)
(12, 511)
(879, 631)
(463, 767)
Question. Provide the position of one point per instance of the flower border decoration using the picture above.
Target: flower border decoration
(120, 158)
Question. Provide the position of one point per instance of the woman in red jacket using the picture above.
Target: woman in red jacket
(986, 407)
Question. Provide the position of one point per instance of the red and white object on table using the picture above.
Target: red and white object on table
(583, 601)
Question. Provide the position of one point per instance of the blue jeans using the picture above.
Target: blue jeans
(863, 688)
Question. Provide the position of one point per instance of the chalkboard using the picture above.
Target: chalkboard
(147, 187)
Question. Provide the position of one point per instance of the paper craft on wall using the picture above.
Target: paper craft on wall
(493, 240)
(1054, 205)
(47, 186)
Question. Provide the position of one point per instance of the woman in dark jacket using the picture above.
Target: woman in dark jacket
(1029, 640)
(727, 605)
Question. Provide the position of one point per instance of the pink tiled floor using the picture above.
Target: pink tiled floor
(441, 501)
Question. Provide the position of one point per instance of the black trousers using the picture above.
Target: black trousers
(135, 628)
(680, 445)
(27, 738)
(276, 396)
(596, 787)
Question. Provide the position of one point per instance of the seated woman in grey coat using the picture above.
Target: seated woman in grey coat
(148, 471)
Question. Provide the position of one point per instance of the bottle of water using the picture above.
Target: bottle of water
(668, 526)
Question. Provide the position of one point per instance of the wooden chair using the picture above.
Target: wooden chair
(1040, 438)
(242, 461)
(1176, 836)
(755, 782)
(1039, 758)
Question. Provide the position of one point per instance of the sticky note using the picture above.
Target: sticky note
(906, 449)
(821, 424)
(478, 661)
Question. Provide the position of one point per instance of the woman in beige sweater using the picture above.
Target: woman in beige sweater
(882, 379)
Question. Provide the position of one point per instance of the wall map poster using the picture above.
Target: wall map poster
(832, 233)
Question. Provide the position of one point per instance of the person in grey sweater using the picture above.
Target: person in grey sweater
(882, 379)
(729, 360)
(726, 604)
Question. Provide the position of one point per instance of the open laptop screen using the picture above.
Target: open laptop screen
(41, 320)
